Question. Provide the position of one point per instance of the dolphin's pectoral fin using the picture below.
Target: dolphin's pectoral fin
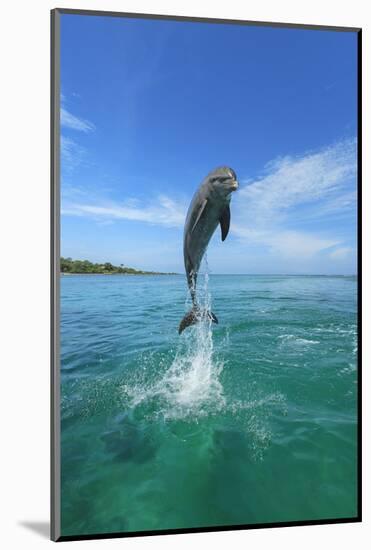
(194, 316)
(225, 220)
(202, 208)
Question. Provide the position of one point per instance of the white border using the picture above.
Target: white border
(24, 200)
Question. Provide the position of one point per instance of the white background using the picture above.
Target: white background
(24, 301)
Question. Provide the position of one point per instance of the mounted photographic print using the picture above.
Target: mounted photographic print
(205, 274)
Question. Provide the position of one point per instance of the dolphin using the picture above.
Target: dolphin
(209, 207)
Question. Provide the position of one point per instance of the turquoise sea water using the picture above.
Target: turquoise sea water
(249, 421)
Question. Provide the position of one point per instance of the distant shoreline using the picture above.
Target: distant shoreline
(68, 266)
(147, 273)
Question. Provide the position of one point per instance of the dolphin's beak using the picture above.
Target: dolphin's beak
(234, 185)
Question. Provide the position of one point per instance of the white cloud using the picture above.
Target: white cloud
(162, 211)
(291, 188)
(292, 181)
(341, 253)
(342, 203)
(285, 243)
(68, 120)
(72, 153)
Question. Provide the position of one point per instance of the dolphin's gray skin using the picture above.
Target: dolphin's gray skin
(209, 207)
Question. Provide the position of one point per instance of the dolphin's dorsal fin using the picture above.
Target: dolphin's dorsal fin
(202, 208)
(225, 220)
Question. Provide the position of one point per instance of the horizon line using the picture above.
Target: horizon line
(154, 273)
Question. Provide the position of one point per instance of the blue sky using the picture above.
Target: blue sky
(149, 107)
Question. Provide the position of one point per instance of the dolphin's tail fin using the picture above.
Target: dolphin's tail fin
(194, 316)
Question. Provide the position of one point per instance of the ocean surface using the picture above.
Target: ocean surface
(250, 421)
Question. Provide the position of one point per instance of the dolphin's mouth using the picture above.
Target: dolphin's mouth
(234, 185)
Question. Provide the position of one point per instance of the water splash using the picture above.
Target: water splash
(190, 387)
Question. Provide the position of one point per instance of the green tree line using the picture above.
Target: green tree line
(68, 265)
